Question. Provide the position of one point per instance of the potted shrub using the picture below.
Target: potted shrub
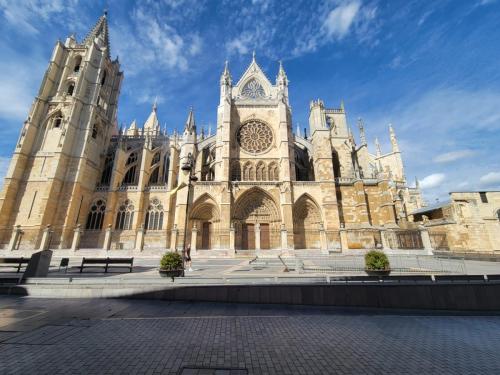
(377, 263)
(171, 265)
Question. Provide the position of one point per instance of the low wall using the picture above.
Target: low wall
(481, 296)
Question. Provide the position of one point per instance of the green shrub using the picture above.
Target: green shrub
(171, 261)
(376, 260)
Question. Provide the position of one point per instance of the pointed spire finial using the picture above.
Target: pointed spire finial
(342, 105)
(394, 141)
(190, 124)
(417, 183)
(253, 55)
(105, 12)
(155, 104)
(377, 147)
(361, 127)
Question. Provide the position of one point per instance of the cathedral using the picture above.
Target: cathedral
(78, 181)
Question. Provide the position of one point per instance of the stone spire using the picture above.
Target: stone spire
(377, 147)
(298, 130)
(394, 141)
(100, 33)
(190, 126)
(361, 127)
(151, 125)
(417, 183)
(281, 74)
(226, 75)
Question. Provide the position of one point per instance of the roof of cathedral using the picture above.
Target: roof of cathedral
(100, 29)
(253, 68)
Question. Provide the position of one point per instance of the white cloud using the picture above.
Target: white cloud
(150, 42)
(432, 181)
(26, 15)
(453, 155)
(490, 179)
(339, 21)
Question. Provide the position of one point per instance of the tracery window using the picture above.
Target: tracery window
(253, 90)
(154, 216)
(125, 216)
(255, 136)
(131, 175)
(96, 214)
(108, 169)
(153, 179)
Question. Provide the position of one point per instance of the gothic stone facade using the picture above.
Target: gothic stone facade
(76, 181)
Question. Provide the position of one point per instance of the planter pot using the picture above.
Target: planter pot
(378, 272)
(171, 273)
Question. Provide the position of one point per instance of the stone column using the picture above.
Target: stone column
(107, 239)
(385, 245)
(343, 239)
(77, 234)
(284, 237)
(139, 239)
(194, 239)
(173, 238)
(257, 238)
(322, 239)
(45, 243)
(14, 239)
(426, 240)
(232, 240)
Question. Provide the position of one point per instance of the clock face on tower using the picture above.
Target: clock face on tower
(254, 136)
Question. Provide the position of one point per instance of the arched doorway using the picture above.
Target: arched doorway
(205, 215)
(306, 223)
(256, 209)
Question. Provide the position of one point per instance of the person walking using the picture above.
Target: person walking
(187, 257)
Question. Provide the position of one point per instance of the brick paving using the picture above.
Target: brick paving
(145, 337)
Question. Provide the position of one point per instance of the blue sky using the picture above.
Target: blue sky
(428, 67)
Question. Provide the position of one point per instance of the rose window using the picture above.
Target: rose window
(255, 137)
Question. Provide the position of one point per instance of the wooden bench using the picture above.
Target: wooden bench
(107, 263)
(14, 263)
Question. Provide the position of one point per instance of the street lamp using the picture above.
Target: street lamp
(188, 167)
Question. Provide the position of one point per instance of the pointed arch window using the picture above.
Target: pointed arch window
(103, 79)
(166, 163)
(273, 171)
(78, 63)
(125, 216)
(154, 216)
(131, 174)
(95, 218)
(57, 122)
(95, 130)
(253, 90)
(108, 169)
(153, 179)
(71, 89)
(498, 215)
(261, 174)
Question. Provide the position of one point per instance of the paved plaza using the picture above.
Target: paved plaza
(158, 337)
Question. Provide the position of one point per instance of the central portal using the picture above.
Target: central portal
(256, 216)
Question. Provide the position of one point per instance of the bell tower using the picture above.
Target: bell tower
(61, 148)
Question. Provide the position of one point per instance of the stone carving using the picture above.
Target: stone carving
(253, 90)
